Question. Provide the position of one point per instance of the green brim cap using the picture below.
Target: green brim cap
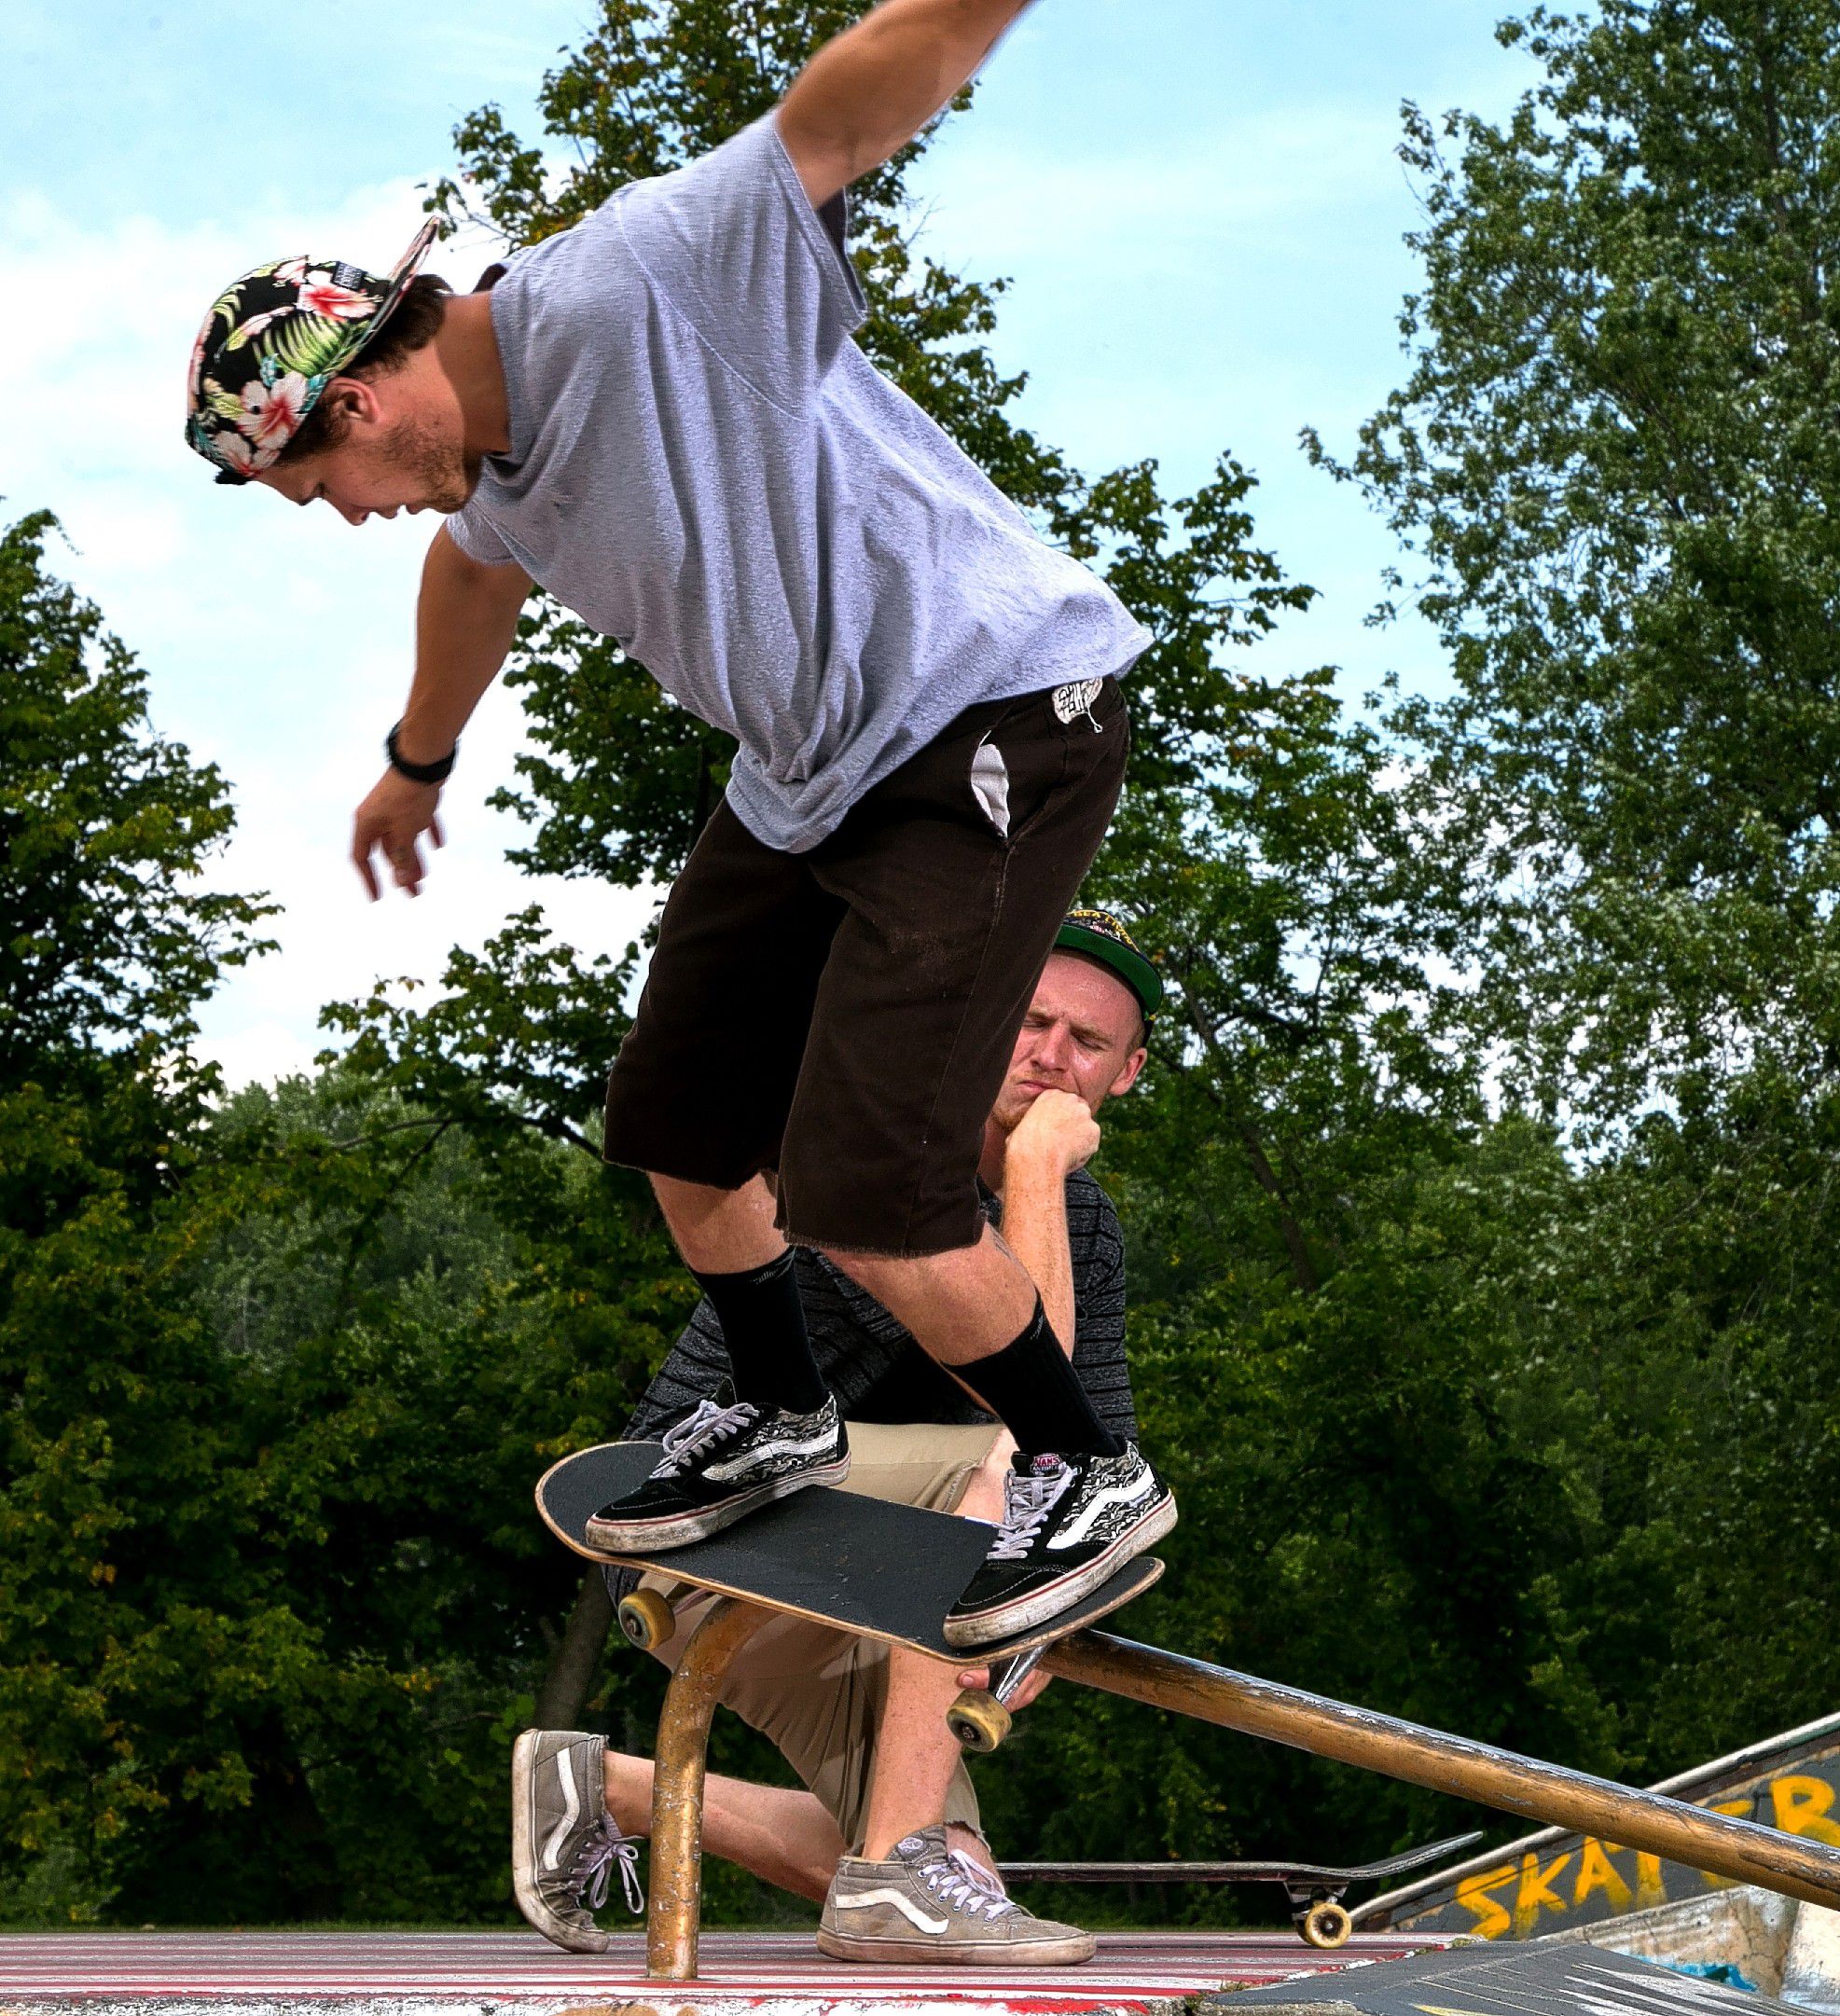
(1098, 935)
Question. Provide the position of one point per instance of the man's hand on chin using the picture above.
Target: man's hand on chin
(1058, 1131)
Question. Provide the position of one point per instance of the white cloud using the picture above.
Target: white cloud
(277, 642)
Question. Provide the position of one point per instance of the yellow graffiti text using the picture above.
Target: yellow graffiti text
(1536, 1892)
(1597, 1871)
(1802, 1806)
(1473, 1894)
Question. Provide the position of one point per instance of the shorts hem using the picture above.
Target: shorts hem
(908, 1249)
(677, 1168)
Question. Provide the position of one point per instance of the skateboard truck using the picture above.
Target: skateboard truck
(980, 1716)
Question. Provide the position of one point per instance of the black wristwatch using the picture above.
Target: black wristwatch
(419, 773)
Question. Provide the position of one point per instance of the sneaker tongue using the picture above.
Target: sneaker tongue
(1036, 1466)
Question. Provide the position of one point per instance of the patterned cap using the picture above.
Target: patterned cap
(271, 344)
(1098, 935)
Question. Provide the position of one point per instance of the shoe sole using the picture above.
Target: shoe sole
(649, 1536)
(1043, 1605)
(523, 1855)
(960, 1952)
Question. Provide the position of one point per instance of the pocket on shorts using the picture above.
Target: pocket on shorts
(1037, 746)
(990, 784)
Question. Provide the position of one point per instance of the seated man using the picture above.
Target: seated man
(886, 1832)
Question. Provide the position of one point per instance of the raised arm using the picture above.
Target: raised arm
(868, 91)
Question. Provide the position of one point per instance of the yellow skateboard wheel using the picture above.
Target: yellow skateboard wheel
(647, 1619)
(1326, 1925)
(979, 1720)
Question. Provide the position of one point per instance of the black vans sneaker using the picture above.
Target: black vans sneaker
(720, 1463)
(1068, 1522)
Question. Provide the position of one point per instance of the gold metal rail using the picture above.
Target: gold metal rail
(674, 1915)
(1648, 1821)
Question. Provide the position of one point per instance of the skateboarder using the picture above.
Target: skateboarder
(887, 1833)
(660, 418)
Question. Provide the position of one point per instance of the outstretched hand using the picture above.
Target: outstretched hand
(391, 822)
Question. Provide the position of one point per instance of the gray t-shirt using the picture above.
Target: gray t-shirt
(705, 467)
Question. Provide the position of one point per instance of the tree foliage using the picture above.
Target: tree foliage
(1479, 1192)
(1614, 459)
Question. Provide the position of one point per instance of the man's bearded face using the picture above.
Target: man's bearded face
(1082, 1034)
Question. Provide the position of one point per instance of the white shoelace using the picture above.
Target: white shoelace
(960, 1882)
(702, 1430)
(1027, 1503)
(601, 1847)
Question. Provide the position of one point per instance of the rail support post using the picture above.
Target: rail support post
(675, 1915)
(1715, 1842)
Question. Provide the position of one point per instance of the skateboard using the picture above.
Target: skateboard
(1315, 1889)
(857, 1565)
(890, 1572)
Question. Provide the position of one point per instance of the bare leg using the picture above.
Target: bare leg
(784, 1838)
(720, 1231)
(916, 1753)
(960, 1305)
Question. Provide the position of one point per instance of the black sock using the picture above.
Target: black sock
(1033, 1388)
(763, 1325)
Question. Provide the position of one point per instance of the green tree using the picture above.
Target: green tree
(1612, 463)
(1614, 459)
(121, 1494)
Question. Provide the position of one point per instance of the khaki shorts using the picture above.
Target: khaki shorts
(815, 1693)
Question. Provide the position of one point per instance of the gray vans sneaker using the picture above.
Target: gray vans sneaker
(932, 1902)
(564, 1842)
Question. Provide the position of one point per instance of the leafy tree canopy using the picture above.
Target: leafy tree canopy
(1614, 457)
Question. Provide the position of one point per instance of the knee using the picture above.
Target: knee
(872, 1271)
(983, 1494)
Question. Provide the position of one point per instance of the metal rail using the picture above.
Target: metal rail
(1700, 1780)
(1714, 1842)
(673, 1918)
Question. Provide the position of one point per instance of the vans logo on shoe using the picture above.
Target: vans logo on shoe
(559, 1834)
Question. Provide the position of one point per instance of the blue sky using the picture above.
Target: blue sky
(1197, 202)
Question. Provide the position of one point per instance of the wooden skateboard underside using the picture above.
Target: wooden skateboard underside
(857, 1564)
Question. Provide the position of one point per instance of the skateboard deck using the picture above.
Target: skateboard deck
(857, 1564)
(1299, 1874)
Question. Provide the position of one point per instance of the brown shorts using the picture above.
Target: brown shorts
(845, 1017)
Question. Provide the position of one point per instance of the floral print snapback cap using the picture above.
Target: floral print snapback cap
(272, 342)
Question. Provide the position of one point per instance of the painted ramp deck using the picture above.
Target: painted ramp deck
(776, 1974)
